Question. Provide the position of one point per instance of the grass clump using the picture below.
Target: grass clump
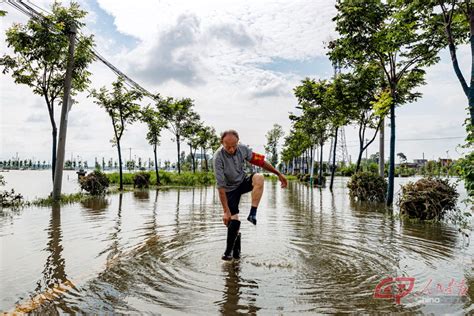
(428, 199)
(95, 183)
(367, 186)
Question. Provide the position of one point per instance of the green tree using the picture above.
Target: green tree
(177, 114)
(208, 139)
(192, 133)
(316, 119)
(451, 22)
(402, 157)
(122, 107)
(155, 123)
(389, 34)
(273, 137)
(40, 50)
(363, 87)
(339, 98)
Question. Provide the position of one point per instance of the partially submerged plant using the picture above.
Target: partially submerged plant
(95, 183)
(428, 199)
(367, 186)
(141, 180)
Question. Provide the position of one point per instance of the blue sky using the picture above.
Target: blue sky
(319, 66)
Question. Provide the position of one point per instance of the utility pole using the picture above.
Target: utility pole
(67, 102)
(366, 158)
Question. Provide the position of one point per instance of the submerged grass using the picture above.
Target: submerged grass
(65, 199)
(167, 178)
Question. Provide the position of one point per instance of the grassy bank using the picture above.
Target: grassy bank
(65, 199)
(168, 178)
(288, 177)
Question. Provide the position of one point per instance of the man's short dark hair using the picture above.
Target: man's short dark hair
(231, 132)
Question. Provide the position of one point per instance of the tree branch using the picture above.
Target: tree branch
(447, 17)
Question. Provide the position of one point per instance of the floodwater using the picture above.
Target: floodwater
(159, 252)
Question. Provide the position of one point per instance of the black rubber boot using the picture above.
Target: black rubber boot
(236, 252)
(232, 231)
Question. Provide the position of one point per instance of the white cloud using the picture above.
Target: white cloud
(210, 51)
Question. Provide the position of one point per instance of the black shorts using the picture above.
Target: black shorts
(233, 197)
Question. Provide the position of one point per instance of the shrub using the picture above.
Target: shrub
(323, 180)
(346, 171)
(95, 183)
(367, 186)
(141, 180)
(114, 178)
(465, 168)
(427, 199)
(11, 199)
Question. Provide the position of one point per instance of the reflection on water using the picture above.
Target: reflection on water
(54, 269)
(96, 205)
(234, 287)
(312, 251)
(143, 195)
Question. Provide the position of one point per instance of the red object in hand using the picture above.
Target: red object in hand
(257, 159)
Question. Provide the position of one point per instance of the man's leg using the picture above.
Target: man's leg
(233, 199)
(257, 191)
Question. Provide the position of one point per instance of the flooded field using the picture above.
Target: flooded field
(159, 252)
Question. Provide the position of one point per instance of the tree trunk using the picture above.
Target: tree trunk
(320, 176)
(205, 160)
(178, 162)
(120, 165)
(333, 170)
(158, 182)
(307, 160)
(362, 127)
(468, 90)
(53, 156)
(311, 171)
(359, 157)
(391, 171)
(192, 157)
(202, 167)
(382, 149)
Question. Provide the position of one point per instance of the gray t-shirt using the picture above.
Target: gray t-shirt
(229, 169)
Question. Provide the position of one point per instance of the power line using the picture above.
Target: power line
(417, 139)
(33, 13)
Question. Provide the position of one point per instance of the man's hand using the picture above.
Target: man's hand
(283, 181)
(226, 218)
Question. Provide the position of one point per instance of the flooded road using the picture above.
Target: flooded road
(159, 252)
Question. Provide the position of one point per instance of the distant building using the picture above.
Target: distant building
(445, 162)
(420, 162)
(411, 165)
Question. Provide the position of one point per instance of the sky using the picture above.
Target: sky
(238, 60)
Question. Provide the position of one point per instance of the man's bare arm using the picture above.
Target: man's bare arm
(281, 177)
(270, 168)
(223, 198)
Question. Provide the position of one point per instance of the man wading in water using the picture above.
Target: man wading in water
(232, 182)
